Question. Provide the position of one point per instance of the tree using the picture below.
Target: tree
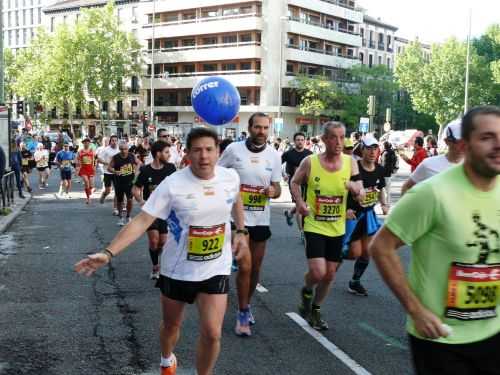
(488, 46)
(10, 74)
(437, 87)
(107, 55)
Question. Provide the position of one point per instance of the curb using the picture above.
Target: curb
(6, 221)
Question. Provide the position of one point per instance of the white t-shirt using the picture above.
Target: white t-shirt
(41, 158)
(430, 167)
(106, 155)
(256, 170)
(198, 213)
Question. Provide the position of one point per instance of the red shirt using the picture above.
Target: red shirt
(417, 158)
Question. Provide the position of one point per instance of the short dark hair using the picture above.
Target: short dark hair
(113, 136)
(469, 118)
(419, 141)
(158, 132)
(298, 134)
(254, 116)
(158, 146)
(224, 143)
(200, 132)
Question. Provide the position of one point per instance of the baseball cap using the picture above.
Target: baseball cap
(453, 130)
(348, 143)
(369, 141)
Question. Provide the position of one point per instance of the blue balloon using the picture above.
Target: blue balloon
(216, 100)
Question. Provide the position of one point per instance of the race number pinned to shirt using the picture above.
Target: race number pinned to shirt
(87, 160)
(473, 291)
(371, 197)
(205, 243)
(253, 198)
(126, 170)
(328, 208)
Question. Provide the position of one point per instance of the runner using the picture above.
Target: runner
(419, 154)
(196, 260)
(139, 150)
(362, 222)
(259, 168)
(64, 159)
(436, 164)
(105, 157)
(41, 157)
(123, 165)
(26, 166)
(452, 221)
(328, 176)
(85, 164)
(149, 177)
(99, 166)
(390, 162)
(293, 158)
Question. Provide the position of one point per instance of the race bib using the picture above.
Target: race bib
(371, 197)
(253, 199)
(25, 162)
(473, 291)
(206, 243)
(66, 163)
(328, 208)
(87, 160)
(126, 170)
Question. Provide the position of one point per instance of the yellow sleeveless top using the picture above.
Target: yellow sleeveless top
(326, 198)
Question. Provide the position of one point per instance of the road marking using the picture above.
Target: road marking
(180, 371)
(260, 288)
(328, 345)
(389, 340)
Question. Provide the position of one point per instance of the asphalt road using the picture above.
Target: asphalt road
(54, 321)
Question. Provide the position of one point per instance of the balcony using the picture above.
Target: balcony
(389, 49)
(323, 25)
(371, 44)
(323, 33)
(240, 78)
(381, 47)
(337, 8)
(363, 43)
(208, 25)
(341, 3)
(320, 57)
(212, 52)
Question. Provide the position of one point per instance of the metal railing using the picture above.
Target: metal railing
(202, 19)
(329, 26)
(342, 3)
(205, 46)
(322, 51)
(7, 187)
(207, 73)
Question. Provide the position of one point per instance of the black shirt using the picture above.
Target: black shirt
(373, 182)
(125, 168)
(293, 158)
(150, 178)
(140, 151)
(25, 162)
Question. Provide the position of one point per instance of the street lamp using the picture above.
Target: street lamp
(152, 103)
(282, 18)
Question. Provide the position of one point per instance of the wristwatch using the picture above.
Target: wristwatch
(242, 231)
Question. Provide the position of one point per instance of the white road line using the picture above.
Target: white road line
(332, 348)
(260, 288)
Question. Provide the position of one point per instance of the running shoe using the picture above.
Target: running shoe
(121, 222)
(129, 219)
(242, 328)
(306, 304)
(357, 289)
(170, 370)
(116, 212)
(101, 200)
(316, 321)
(155, 273)
(251, 319)
(289, 217)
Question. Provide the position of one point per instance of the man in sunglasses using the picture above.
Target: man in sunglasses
(436, 164)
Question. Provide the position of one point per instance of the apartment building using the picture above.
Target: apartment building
(402, 43)
(260, 46)
(123, 116)
(378, 42)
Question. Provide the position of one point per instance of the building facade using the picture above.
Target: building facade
(257, 45)
(378, 42)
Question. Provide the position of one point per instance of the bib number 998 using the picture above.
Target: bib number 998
(481, 294)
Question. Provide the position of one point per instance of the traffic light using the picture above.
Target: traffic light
(371, 105)
(20, 108)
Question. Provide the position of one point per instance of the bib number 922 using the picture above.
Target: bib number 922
(210, 244)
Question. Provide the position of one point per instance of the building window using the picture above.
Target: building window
(105, 106)
(226, 39)
(39, 15)
(389, 62)
(229, 66)
(188, 68)
(25, 36)
(32, 18)
(209, 40)
(169, 43)
(245, 38)
(171, 69)
(188, 42)
(17, 37)
(246, 66)
(189, 16)
(362, 57)
(209, 13)
(17, 18)
(370, 61)
(119, 107)
(289, 69)
(209, 67)
(133, 103)
(134, 85)
(230, 11)
(362, 32)
(380, 60)
(246, 9)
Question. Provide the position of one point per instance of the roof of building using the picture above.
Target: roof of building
(407, 41)
(68, 5)
(378, 22)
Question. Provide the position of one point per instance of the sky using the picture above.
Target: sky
(435, 20)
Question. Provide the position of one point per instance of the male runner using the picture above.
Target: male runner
(419, 154)
(149, 177)
(41, 157)
(64, 160)
(293, 158)
(85, 164)
(362, 222)
(26, 166)
(452, 221)
(329, 176)
(105, 157)
(195, 267)
(123, 165)
(436, 164)
(259, 168)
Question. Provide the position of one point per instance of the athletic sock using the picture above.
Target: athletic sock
(166, 362)
(154, 256)
(359, 268)
(315, 307)
(307, 292)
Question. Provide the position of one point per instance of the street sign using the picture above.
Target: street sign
(364, 124)
(387, 127)
(278, 124)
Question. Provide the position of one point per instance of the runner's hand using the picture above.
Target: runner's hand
(350, 214)
(302, 209)
(240, 246)
(91, 264)
(428, 325)
(385, 209)
(270, 191)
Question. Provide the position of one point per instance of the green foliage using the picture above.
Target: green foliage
(10, 73)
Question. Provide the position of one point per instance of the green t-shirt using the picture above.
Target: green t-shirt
(446, 220)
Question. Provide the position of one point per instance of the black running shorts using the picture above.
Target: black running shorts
(159, 225)
(259, 233)
(123, 188)
(320, 246)
(108, 179)
(187, 291)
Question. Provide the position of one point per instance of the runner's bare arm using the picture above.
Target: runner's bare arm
(383, 250)
(273, 191)
(111, 167)
(407, 186)
(131, 232)
(137, 192)
(355, 187)
(240, 243)
(300, 178)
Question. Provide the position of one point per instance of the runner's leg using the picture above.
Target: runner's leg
(325, 284)
(257, 250)
(170, 326)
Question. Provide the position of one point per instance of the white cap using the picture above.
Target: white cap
(453, 130)
(369, 141)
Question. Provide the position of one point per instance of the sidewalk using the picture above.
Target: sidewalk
(17, 209)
